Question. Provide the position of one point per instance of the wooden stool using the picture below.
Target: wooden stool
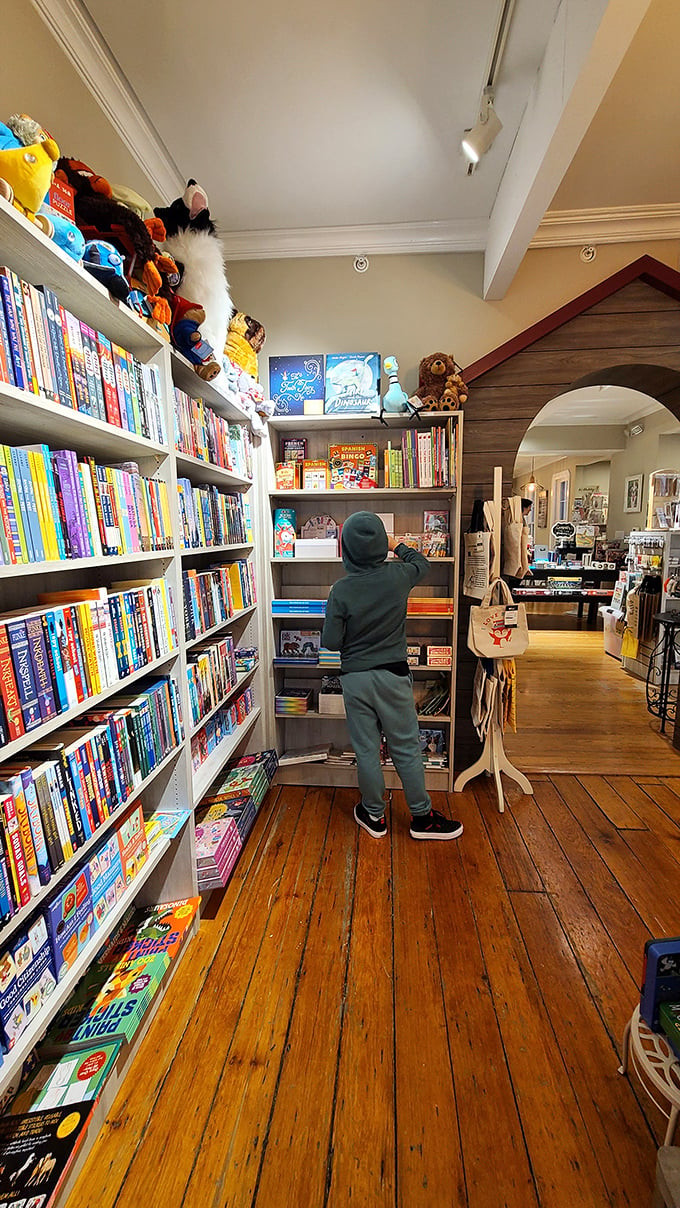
(657, 1067)
(667, 1187)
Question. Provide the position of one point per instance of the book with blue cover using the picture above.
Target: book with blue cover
(296, 384)
(352, 383)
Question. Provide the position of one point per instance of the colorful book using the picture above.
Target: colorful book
(296, 384)
(353, 466)
(352, 383)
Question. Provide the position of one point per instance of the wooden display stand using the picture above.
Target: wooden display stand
(493, 759)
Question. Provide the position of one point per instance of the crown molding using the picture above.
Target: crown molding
(622, 224)
(467, 235)
(73, 28)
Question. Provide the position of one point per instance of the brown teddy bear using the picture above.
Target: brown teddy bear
(440, 385)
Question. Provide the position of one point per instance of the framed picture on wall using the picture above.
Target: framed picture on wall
(542, 508)
(632, 495)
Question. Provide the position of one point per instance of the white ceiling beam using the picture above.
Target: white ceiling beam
(587, 43)
(71, 25)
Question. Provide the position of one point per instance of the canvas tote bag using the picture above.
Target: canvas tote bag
(489, 635)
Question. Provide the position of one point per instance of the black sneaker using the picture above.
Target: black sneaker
(375, 826)
(434, 826)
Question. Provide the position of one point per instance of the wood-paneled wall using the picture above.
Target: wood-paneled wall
(626, 331)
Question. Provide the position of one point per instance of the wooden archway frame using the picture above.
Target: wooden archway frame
(625, 331)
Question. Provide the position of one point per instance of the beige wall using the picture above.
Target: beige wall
(642, 454)
(413, 305)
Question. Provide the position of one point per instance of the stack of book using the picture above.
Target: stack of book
(54, 506)
(56, 795)
(329, 659)
(218, 727)
(420, 605)
(48, 352)
(210, 517)
(218, 844)
(213, 596)
(211, 672)
(292, 702)
(246, 658)
(81, 643)
(312, 608)
(250, 775)
(239, 806)
(200, 432)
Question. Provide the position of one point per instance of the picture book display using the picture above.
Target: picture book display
(285, 520)
(302, 644)
(67, 1078)
(352, 383)
(296, 384)
(151, 929)
(293, 448)
(353, 466)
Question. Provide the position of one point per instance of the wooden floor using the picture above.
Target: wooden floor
(579, 711)
(393, 1023)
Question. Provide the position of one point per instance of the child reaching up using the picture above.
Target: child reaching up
(366, 621)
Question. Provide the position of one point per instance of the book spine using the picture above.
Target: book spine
(123, 386)
(97, 374)
(54, 661)
(90, 502)
(73, 819)
(28, 339)
(15, 851)
(57, 345)
(23, 672)
(76, 775)
(77, 359)
(73, 654)
(6, 359)
(134, 397)
(91, 376)
(63, 319)
(41, 669)
(44, 344)
(53, 500)
(24, 519)
(16, 347)
(14, 788)
(59, 812)
(9, 690)
(108, 375)
(141, 398)
(8, 515)
(55, 846)
(36, 473)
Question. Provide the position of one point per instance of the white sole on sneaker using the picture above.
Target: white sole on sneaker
(365, 826)
(429, 835)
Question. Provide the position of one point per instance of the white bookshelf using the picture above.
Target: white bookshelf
(173, 786)
(306, 578)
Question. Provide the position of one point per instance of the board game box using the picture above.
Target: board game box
(353, 467)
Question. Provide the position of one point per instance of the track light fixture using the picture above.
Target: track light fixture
(477, 141)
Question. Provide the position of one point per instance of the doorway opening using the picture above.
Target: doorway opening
(601, 465)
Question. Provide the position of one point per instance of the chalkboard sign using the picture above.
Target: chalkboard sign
(564, 530)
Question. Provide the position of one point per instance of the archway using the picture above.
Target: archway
(627, 328)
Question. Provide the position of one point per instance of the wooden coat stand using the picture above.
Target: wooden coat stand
(493, 759)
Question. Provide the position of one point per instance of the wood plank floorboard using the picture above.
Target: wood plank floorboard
(393, 1023)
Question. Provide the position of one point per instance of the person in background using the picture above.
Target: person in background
(366, 621)
(527, 504)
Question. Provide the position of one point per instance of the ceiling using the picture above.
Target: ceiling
(319, 131)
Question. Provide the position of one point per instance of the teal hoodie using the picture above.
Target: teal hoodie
(366, 611)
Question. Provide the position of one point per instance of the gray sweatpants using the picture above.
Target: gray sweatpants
(378, 701)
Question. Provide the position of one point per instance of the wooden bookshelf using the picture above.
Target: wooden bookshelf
(217, 759)
(207, 472)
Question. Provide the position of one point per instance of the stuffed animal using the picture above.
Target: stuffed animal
(186, 320)
(101, 218)
(245, 338)
(440, 385)
(25, 178)
(133, 200)
(65, 233)
(396, 399)
(191, 239)
(105, 263)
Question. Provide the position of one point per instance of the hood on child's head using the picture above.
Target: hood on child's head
(364, 542)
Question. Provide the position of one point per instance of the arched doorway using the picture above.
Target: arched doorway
(580, 707)
(623, 332)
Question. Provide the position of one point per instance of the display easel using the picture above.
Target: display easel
(493, 759)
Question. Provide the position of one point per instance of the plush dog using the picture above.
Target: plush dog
(192, 241)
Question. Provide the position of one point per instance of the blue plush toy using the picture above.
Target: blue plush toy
(66, 234)
(105, 263)
(396, 399)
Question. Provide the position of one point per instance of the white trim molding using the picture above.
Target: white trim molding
(73, 28)
(622, 224)
(397, 239)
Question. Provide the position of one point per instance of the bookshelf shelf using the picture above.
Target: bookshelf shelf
(16, 1057)
(34, 419)
(241, 679)
(343, 776)
(36, 258)
(208, 633)
(365, 496)
(90, 703)
(185, 376)
(212, 766)
(367, 423)
(202, 550)
(75, 564)
(319, 561)
(68, 868)
(204, 471)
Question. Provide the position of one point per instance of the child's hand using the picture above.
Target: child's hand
(391, 543)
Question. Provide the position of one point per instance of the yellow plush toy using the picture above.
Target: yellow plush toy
(245, 338)
(25, 177)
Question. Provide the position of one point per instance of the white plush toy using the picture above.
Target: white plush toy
(193, 243)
